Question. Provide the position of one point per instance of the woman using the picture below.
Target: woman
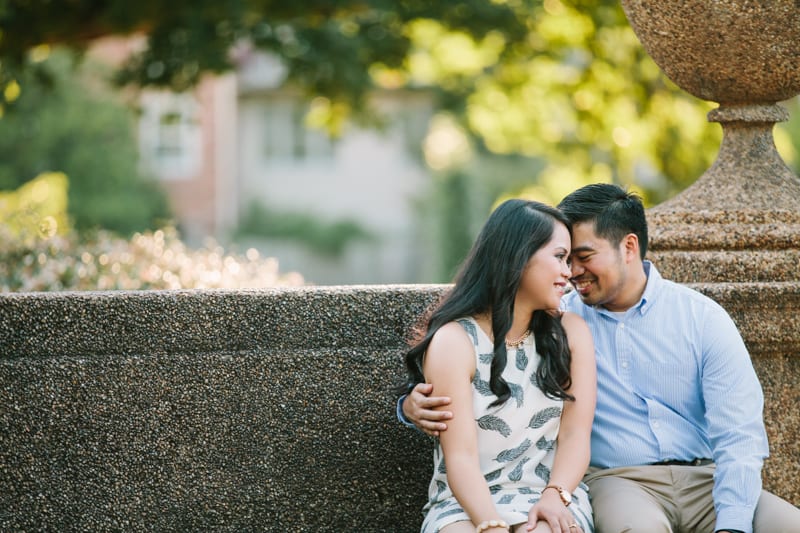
(521, 378)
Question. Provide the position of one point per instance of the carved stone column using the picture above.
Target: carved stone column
(735, 233)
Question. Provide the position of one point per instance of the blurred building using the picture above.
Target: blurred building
(238, 146)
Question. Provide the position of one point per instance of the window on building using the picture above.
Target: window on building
(286, 136)
(170, 135)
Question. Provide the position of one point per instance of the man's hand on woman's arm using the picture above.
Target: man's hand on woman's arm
(419, 408)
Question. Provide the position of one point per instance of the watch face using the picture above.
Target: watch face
(564, 494)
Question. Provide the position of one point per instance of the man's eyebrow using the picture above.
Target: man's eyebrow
(581, 249)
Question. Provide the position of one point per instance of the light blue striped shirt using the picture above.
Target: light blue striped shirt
(675, 381)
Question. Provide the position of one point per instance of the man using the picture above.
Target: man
(678, 440)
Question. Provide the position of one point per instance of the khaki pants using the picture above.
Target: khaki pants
(675, 499)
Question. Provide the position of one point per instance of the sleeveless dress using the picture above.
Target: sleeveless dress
(516, 442)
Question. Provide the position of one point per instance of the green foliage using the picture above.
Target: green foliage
(80, 130)
(328, 238)
(452, 198)
(565, 82)
(328, 47)
(787, 135)
(37, 208)
(580, 94)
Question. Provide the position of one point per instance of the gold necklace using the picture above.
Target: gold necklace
(520, 341)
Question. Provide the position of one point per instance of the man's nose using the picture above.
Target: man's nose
(576, 269)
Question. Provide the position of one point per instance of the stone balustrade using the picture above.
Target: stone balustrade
(266, 410)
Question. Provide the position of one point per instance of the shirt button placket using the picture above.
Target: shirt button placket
(623, 350)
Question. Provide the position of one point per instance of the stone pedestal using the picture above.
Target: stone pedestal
(735, 233)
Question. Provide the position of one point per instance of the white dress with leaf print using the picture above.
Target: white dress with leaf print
(516, 441)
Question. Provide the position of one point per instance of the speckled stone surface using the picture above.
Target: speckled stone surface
(257, 410)
(208, 410)
(730, 51)
(736, 231)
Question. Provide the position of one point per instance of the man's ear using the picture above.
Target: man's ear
(630, 246)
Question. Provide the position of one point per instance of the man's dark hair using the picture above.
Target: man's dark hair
(614, 211)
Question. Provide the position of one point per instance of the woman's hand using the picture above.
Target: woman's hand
(552, 510)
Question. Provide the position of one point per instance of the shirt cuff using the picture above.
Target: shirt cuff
(735, 519)
(400, 416)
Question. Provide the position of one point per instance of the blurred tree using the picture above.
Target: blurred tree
(328, 47)
(565, 81)
(88, 135)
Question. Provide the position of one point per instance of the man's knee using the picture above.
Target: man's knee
(623, 519)
(775, 515)
(634, 525)
(623, 506)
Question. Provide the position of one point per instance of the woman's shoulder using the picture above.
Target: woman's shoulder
(456, 331)
(574, 324)
(450, 345)
(572, 320)
(578, 334)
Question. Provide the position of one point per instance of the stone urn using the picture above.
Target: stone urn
(735, 233)
(745, 55)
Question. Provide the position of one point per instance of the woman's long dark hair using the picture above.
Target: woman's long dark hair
(488, 281)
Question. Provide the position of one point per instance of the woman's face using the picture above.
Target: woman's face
(547, 273)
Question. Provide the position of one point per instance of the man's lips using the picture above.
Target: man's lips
(582, 285)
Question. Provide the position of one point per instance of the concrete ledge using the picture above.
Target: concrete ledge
(235, 410)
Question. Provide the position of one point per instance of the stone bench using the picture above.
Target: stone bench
(266, 410)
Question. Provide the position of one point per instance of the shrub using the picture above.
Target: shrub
(39, 251)
(149, 260)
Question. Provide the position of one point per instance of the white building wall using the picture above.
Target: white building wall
(368, 176)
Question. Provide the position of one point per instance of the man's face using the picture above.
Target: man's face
(599, 271)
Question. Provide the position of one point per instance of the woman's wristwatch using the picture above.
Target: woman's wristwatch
(563, 493)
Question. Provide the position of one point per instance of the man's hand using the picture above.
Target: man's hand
(418, 408)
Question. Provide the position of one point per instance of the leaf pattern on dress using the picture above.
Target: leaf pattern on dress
(520, 451)
(578, 510)
(451, 511)
(522, 358)
(505, 500)
(517, 393)
(493, 423)
(469, 326)
(544, 416)
(516, 474)
(542, 472)
(509, 455)
(544, 444)
(481, 386)
(491, 476)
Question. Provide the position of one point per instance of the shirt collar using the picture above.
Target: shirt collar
(654, 281)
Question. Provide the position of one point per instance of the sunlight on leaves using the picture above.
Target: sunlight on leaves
(446, 146)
